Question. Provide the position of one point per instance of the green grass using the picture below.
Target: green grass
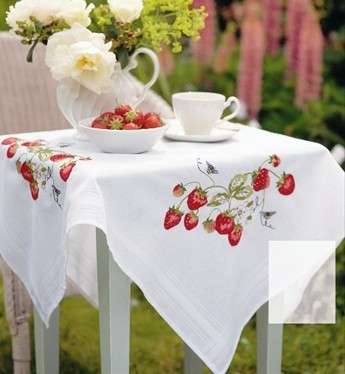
(155, 348)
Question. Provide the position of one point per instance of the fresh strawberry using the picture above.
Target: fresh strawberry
(152, 121)
(9, 141)
(116, 123)
(275, 160)
(191, 221)
(12, 149)
(66, 171)
(196, 199)
(60, 157)
(103, 121)
(122, 110)
(261, 179)
(172, 218)
(179, 190)
(224, 224)
(99, 125)
(131, 126)
(140, 119)
(26, 172)
(209, 225)
(235, 235)
(130, 116)
(34, 190)
(286, 184)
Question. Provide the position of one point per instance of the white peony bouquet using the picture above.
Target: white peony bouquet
(87, 43)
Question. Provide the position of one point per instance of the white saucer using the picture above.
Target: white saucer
(224, 131)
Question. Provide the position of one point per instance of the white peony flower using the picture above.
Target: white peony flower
(126, 11)
(43, 10)
(47, 11)
(75, 11)
(79, 54)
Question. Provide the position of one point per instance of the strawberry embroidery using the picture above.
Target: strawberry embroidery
(261, 179)
(34, 190)
(60, 157)
(209, 225)
(224, 224)
(26, 172)
(235, 235)
(36, 163)
(286, 184)
(12, 149)
(275, 160)
(172, 218)
(229, 207)
(191, 221)
(197, 199)
(179, 190)
(9, 141)
(66, 171)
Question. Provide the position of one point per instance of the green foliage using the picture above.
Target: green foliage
(155, 348)
(166, 22)
(162, 22)
(124, 37)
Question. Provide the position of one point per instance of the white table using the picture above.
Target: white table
(90, 200)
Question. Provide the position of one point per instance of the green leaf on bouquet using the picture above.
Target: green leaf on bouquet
(218, 199)
(237, 182)
(251, 202)
(243, 193)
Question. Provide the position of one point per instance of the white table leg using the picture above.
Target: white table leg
(114, 311)
(192, 362)
(47, 344)
(269, 341)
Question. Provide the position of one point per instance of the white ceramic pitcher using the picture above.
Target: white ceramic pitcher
(77, 102)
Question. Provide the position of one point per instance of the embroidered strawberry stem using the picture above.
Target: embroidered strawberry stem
(212, 211)
(190, 183)
(275, 174)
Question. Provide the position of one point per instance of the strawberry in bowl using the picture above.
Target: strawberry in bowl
(124, 130)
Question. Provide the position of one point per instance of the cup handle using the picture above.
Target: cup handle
(231, 100)
(133, 63)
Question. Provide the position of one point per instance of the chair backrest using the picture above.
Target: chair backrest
(27, 91)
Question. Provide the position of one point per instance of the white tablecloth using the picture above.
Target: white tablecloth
(203, 284)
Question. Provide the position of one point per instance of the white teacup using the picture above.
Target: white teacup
(199, 112)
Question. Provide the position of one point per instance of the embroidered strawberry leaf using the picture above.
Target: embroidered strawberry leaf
(243, 193)
(237, 181)
(218, 199)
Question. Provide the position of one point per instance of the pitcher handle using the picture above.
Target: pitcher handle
(133, 63)
(232, 100)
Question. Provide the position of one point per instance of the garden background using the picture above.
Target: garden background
(306, 100)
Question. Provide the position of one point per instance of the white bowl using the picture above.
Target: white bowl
(122, 141)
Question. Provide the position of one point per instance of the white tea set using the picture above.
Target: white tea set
(199, 117)
(198, 114)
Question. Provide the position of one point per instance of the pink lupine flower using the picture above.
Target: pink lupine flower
(224, 51)
(296, 11)
(203, 49)
(167, 60)
(310, 53)
(251, 58)
(273, 23)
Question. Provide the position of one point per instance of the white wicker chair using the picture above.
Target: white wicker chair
(28, 103)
